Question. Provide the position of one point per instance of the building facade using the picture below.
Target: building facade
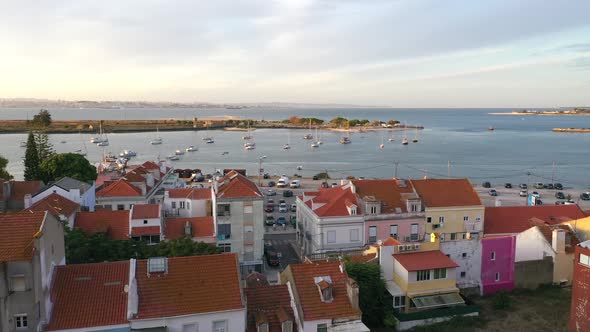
(580, 307)
(497, 264)
(76, 191)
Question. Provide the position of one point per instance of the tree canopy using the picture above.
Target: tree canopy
(44, 147)
(31, 159)
(3, 172)
(67, 164)
(42, 119)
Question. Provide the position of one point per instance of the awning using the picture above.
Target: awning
(440, 300)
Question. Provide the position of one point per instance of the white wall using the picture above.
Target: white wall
(312, 325)
(401, 271)
(197, 208)
(342, 231)
(471, 264)
(236, 321)
(532, 245)
(139, 223)
(87, 199)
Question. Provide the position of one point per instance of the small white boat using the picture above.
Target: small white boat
(299, 167)
(415, 140)
(307, 136)
(210, 141)
(381, 146)
(250, 147)
(173, 157)
(345, 140)
(391, 139)
(286, 147)
(191, 149)
(23, 144)
(156, 141)
(405, 141)
(103, 143)
(179, 152)
(315, 145)
(249, 144)
(63, 142)
(130, 153)
(225, 153)
(207, 138)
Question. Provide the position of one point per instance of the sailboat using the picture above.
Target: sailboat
(248, 136)
(288, 145)
(317, 143)
(346, 139)
(381, 146)
(308, 136)
(405, 139)
(191, 149)
(82, 152)
(101, 138)
(157, 140)
(415, 140)
(391, 138)
(319, 137)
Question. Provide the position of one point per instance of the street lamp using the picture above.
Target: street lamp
(260, 170)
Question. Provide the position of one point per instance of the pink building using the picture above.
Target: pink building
(391, 209)
(497, 263)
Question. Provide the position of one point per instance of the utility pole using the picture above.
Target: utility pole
(259, 171)
(396, 164)
(553, 172)
(449, 169)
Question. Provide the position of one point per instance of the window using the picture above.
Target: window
(188, 205)
(181, 205)
(220, 326)
(145, 222)
(248, 209)
(120, 207)
(453, 236)
(225, 247)
(263, 327)
(429, 220)
(441, 219)
(584, 259)
(462, 274)
(465, 218)
(414, 207)
(354, 235)
(373, 210)
(223, 231)
(157, 264)
(464, 236)
(493, 256)
(353, 211)
(423, 275)
(464, 255)
(287, 326)
(327, 294)
(20, 321)
(173, 204)
(190, 327)
(372, 234)
(331, 236)
(322, 328)
(497, 276)
(399, 302)
(223, 210)
(18, 283)
(478, 218)
(414, 232)
(440, 273)
(153, 239)
(393, 231)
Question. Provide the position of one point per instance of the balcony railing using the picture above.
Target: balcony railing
(389, 216)
(473, 226)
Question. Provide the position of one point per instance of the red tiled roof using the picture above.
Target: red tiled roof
(336, 202)
(547, 231)
(446, 192)
(56, 205)
(516, 219)
(309, 296)
(235, 185)
(256, 279)
(145, 230)
(145, 211)
(363, 258)
(424, 260)
(150, 165)
(119, 188)
(271, 303)
(114, 223)
(89, 295)
(190, 193)
(388, 192)
(201, 227)
(391, 242)
(18, 189)
(17, 232)
(134, 177)
(192, 285)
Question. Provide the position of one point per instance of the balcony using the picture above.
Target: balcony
(393, 216)
(473, 226)
(172, 213)
(413, 238)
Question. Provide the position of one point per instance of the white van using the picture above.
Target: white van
(281, 183)
(295, 184)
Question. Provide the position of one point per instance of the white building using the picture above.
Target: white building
(72, 189)
(188, 202)
(145, 222)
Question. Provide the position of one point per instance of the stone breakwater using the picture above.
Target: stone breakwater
(571, 130)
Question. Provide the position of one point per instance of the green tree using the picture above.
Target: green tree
(339, 121)
(3, 172)
(44, 147)
(373, 299)
(42, 119)
(67, 164)
(392, 122)
(31, 159)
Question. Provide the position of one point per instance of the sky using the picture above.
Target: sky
(399, 53)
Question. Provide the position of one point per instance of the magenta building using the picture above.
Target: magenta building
(497, 263)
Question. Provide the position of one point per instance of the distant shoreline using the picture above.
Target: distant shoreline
(572, 112)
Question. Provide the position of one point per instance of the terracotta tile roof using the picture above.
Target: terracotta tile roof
(18, 189)
(134, 177)
(150, 165)
(391, 193)
(192, 285)
(271, 304)
(145, 230)
(424, 260)
(391, 242)
(89, 295)
(190, 193)
(235, 185)
(56, 205)
(446, 192)
(256, 279)
(547, 231)
(516, 219)
(363, 258)
(201, 227)
(335, 202)
(119, 188)
(145, 211)
(309, 297)
(17, 231)
(114, 223)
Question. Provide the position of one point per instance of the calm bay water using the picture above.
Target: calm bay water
(517, 146)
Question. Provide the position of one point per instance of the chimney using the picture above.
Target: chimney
(352, 290)
(188, 230)
(386, 261)
(166, 195)
(558, 240)
(7, 190)
(28, 201)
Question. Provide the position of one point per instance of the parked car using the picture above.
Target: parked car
(493, 192)
(281, 183)
(287, 193)
(270, 220)
(558, 186)
(266, 176)
(315, 177)
(272, 255)
(559, 195)
(293, 220)
(295, 184)
(269, 208)
(271, 192)
(281, 221)
(272, 183)
(486, 184)
(549, 186)
(559, 202)
(270, 202)
(536, 194)
(334, 184)
(523, 186)
(585, 196)
(508, 185)
(539, 185)
(281, 201)
(523, 193)
(569, 202)
(283, 207)
(293, 207)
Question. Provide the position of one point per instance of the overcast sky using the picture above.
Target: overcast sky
(403, 53)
